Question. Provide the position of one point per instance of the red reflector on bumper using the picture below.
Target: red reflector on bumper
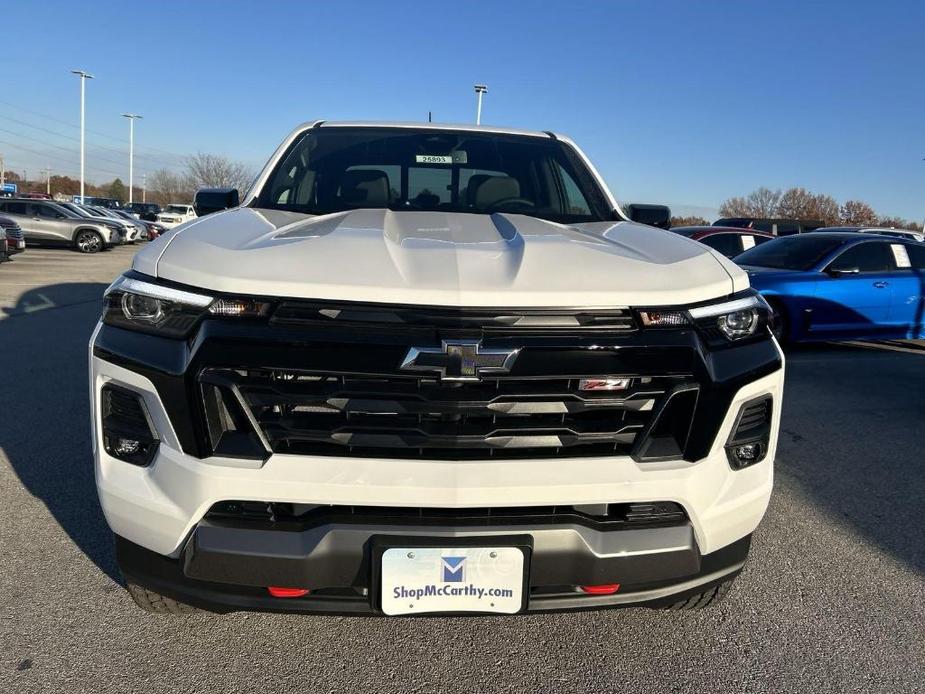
(278, 592)
(603, 589)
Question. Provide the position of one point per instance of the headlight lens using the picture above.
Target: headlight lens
(142, 308)
(738, 324)
(138, 304)
(734, 320)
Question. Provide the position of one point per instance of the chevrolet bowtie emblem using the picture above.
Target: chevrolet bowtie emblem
(459, 360)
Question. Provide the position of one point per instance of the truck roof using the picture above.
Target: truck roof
(427, 126)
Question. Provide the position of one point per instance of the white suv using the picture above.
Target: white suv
(172, 215)
(431, 369)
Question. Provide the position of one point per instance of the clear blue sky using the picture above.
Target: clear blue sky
(680, 102)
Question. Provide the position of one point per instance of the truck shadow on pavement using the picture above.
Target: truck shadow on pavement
(45, 427)
(852, 435)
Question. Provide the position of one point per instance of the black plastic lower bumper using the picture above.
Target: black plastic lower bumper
(229, 569)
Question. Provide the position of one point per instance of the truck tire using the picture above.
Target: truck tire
(701, 600)
(88, 241)
(156, 603)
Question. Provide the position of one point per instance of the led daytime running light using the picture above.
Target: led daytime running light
(725, 307)
(156, 291)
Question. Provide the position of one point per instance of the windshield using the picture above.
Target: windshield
(337, 169)
(177, 209)
(791, 252)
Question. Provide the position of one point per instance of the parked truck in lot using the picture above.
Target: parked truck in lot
(430, 369)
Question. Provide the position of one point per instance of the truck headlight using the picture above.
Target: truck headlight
(739, 317)
(735, 319)
(151, 307)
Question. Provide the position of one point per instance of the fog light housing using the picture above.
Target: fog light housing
(128, 432)
(751, 435)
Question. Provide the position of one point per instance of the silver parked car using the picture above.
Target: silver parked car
(133, 228)
(47, 222)
(129, 231)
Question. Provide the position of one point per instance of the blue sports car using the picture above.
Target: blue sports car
(839, 286)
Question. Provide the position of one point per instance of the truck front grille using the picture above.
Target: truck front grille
(335, 414)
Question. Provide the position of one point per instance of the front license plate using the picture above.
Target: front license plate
(21, 245)
(452, 579)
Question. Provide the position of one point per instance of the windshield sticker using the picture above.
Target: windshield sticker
(748, 242)
(454, 158)
(901, 255)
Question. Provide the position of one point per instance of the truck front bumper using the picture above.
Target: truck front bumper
(229, 569)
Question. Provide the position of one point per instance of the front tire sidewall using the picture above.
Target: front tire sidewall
(89, 242)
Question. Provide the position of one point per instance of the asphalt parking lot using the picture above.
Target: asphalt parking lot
(833, 598)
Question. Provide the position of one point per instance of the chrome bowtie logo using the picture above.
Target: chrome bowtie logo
(459, 360)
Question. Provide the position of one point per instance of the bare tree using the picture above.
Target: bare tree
(217, 171)
(796, 203)
(762, 202)
(897, 223)
(692, 221)
(857, 213)
(799, 203)
(825, 207)
(735, 207)
(165, 186)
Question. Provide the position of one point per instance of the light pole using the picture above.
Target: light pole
(479, 89)
(144, 187)
(47, 172)
(84, 76)
(132, 117)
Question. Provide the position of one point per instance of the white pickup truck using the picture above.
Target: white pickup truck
(174, 214)
(431, 369)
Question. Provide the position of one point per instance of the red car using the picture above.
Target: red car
(15, 243)
(154, 230)
(730, 241)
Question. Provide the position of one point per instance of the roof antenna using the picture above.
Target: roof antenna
(430, 118)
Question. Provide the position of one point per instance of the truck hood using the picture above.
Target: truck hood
(440, 259)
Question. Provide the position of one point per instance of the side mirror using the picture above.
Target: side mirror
(209, 200)
(653, 215)
(843, 272)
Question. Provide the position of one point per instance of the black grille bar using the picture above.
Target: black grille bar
(309, 413)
